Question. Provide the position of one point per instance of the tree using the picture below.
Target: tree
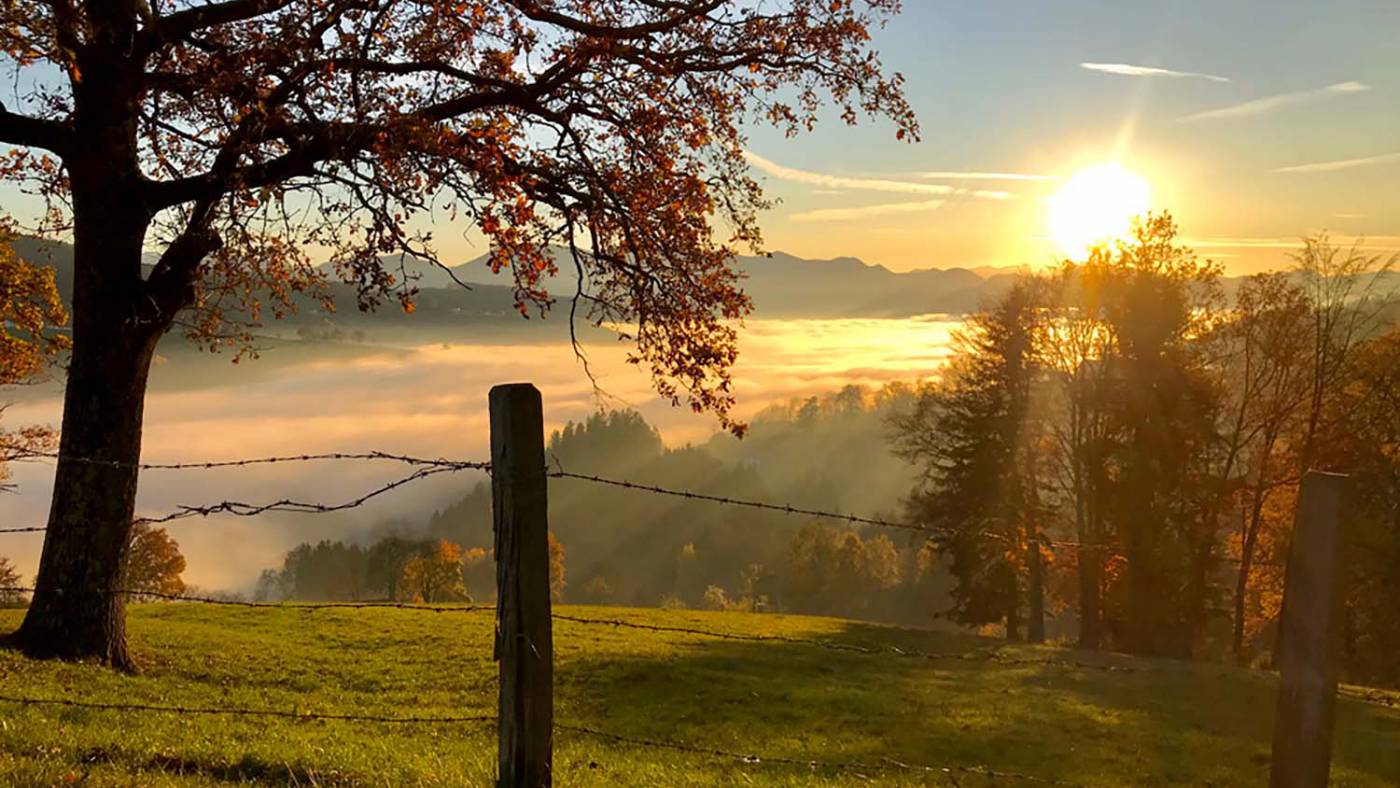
(271, 586)
(435, 574)
(478, 571)
(326, 571)
(1159, 299)
(232, 135)
(833, 571)
(30, 309)
(557, 580)
(1343, 287)
(597, 591)
(1367, 412)
(385, 565)
(974, 441)
(1074, 346)
(1266, 365)
(11, 593)
(154, 563)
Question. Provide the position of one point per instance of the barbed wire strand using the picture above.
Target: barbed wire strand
(559, 473)
(245, 712)
(885, 765)
(243, 509)
(270, 460)
(784, 508)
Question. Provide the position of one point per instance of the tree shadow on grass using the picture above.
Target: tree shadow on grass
(1143, 722)
(248, 769)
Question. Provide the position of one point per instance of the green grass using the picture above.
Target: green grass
(1161, 723)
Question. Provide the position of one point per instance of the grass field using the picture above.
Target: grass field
(1155, 723)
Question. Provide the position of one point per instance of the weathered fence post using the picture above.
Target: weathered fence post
(524, 640)
(1310, 636)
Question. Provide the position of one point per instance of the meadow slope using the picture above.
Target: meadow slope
(1048, 713)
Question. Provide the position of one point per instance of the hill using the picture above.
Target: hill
(787, 286)
(781, 285)
(1046, 713)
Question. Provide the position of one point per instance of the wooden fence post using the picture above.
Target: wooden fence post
(524, 640)
(1310, 636)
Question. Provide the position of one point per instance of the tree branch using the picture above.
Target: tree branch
(182, 23)
(27, 132)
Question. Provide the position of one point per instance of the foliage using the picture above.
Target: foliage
(975, 442)
(1154, 434)
(715, 599)
(30, 313)
(385, 565)
(154, 562)
(596, 591)
(253, 133)
(434, 575)
(30, 310)
(1200, 724)
(557, 572)
(836, 571)
(10, 583)
(1368, 445)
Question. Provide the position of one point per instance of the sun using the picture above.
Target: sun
(1096, 205)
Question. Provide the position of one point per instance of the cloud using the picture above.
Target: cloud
(1382, 243)
(846, 214)
(828, 184)
(1342, 164)
(1127, 70)
(1269, 103)
(842, 182)
(951, 175)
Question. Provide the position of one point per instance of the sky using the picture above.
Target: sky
(1254, 123)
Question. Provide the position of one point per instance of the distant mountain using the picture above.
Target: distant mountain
(786, 286)
(781, 285)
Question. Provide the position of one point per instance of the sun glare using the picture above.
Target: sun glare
(1096, 205)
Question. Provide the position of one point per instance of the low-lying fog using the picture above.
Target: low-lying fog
(413, 394)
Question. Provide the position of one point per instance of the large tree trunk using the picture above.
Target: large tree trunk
(75, 613)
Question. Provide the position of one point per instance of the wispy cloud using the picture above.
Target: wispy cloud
(847, 214)
(1366, 242)
(950, 175)
(826, 181)
(1342, 164)
(1269, 103)
(1129, 70)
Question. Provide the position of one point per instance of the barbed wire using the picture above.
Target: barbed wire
(208, 600)
(721, 499)
(270, 460)
(560, 473)
(885, 764)
(247, 712)
(243, 509)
